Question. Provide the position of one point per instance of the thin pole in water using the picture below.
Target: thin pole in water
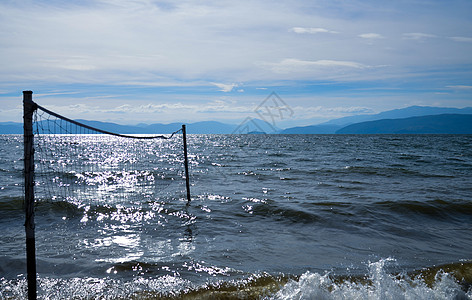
(28, 138)
(187, 179)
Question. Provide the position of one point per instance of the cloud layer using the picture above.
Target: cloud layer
(233, 47)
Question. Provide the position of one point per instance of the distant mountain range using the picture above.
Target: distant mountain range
(411, 111)
(335, 126)
(438, 124)
(313, 129)
(210, 127)
(413, 119)
(252, 126)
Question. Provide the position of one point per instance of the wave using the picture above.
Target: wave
(392, 171)
(452, 281)
(134, 213)
(284, 214)
(321, 212)
(314, 212)
(11, 204)
(443, 282)
(439, 209)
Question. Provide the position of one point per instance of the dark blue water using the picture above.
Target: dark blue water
(281, 216)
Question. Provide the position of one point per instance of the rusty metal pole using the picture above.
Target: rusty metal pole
(28, 138)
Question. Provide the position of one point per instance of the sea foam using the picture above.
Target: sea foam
(377, 285)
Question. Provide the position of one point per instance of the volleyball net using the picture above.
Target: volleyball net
(85, 166)
(74, 162)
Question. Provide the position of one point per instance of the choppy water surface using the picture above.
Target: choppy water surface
(271, 216)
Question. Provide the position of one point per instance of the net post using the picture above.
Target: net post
(187, 179)
(28, 139)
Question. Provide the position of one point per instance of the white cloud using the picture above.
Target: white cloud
(460, 87)
(150, 49)
(54, 93)
(137, 111)
(463, 39)
(371, 36)
(311, 30)
(151, 43)
(295, 65)
(339, 109)
(78, 67)
(417, 36)
(225, 87)
(323, 113)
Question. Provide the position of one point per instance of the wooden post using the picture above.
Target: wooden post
(187, 179)
(28, 138)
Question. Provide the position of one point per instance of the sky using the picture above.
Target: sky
(148, 61)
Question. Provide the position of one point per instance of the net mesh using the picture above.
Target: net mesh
(86, 166)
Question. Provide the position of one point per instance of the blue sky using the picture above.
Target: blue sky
(150, 61)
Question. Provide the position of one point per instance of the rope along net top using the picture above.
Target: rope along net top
(85, 166)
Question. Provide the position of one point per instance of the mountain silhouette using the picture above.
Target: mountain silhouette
(437, 124)
(351, 124)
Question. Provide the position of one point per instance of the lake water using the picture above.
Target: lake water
(271, 216)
